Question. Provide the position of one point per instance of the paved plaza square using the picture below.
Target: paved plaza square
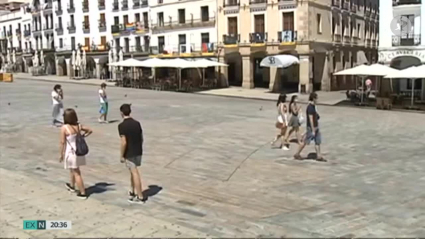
(209, 162)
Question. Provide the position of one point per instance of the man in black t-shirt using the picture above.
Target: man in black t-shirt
(313, 132)
(131, 135)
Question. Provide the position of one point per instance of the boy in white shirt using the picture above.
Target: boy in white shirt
(103, 104)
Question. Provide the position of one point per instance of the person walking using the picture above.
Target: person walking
(313, 131)
(57, 109)
(294, 120)
(68, 148)
(103, 104)
(282, 121)
(131, 134)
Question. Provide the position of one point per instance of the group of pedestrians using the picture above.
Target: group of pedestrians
(290, 117)
(73, 148)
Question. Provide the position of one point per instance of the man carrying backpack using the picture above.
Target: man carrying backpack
(131, 135)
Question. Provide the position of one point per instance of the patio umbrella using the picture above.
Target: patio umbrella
(8, 57)
(110, 60)
(204, 63)
(409, 73)
(179, 64)
(279, 61)
(78, 62)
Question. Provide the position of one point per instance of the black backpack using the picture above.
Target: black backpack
(82, 148)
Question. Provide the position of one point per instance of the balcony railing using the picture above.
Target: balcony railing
(58, 9)
(347, 39)
(407, 40)
(48, 6)
(287, 36)
(337, 38)
(124, 5)
(9, 34)
(102, 26)
(86, 27)
(405, 2)
(85, 6)
(71, 28)
(18, 32)
(59, 29)
(187, 23)
(47, 27)
(136, 4)
(115, 6)
(231, 3)
(27, 33)
(336, 3)
(101, 4)
(145, 3)
(231, 39)
(71, 8)
(258, 37)
(36, 29)
(116, 28)
(257, 2)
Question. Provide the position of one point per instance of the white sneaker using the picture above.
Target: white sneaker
(285, 148)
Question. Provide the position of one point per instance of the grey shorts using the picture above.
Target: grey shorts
(133, 162)
(309, 136)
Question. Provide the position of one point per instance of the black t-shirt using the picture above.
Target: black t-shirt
(311, 110)
(132, 130)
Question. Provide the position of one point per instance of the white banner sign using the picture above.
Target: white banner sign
(388, 56)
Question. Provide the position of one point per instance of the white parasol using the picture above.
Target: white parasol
(78, 60)
(110, 59)
(73, 59)
(84, 61)
(14, 57)
(35, 59)
(121, 55)
(115, 55)
(8, 57)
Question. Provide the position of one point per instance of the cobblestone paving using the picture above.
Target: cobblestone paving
(219, 176)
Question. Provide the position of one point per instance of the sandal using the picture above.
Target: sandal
(298, 157)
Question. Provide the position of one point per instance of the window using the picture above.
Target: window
(182, 43)
(116, 21)
(60, 22)
(288, 21)
(103, 40)
(205, 37)
(319, 23)
(161, 43)
(137, 17)
(259, 23)
(145, 20)
(204, 13)
(182, 16)
(343, 27)
(72, 21)
(60, 43)
(125, 19)
(351, 28)
(160, 1)
(86, 22)
(160, 18)
(333, 25)
(359, 28)
(138, 43)
(87, 41)
(73, 43)
(233, 26)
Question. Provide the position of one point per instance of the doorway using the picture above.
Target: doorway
(260, 78)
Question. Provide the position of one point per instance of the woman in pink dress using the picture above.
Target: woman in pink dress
(68, 135)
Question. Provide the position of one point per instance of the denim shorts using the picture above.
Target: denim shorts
(310, 137)
(133, 162)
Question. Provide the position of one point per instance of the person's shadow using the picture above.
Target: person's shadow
(313, 156)
(151, 191)
(99, 188)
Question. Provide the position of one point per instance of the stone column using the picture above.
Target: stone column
(68, 68)
(98, 71)
(326, 76)
(305, 85)
(223, 74)
(247, 72)
(275, 75)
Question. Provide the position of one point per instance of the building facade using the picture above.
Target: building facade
(402, 42)
(326, 35)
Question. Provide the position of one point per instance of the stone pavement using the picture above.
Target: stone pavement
(326, 98)
(60, 79)
(219, 176)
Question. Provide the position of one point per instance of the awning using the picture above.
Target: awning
(280, 61)
(365, 70)
(128, 63)
(414, 72)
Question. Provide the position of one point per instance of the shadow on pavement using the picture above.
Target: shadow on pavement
(98, 188)
(152, 191)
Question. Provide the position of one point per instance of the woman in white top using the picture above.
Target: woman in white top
(103, 104)
(68, 134)
(282, 121)
(57, 97)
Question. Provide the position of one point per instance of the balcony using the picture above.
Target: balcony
(116, 29)
(139, 48)
(347, 39)
(9, 34)
(231, 39)
(36, 30)
(406, 2)
(407, 40)
(206, 22)
(231, 3)
(337, 38)
(136, 4)
(124, 4)
(258, 37)
(58, 9)
(18, 33)
(71, 8)
(336, 3)
(101, 4)
(85, 6)
(287, 37)
(115, 6)
(59, 29)
(35, 10)
(71, 28)
(145, 3)
(27, 33)
(102, 26)
(48, 8)
(86, 27)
